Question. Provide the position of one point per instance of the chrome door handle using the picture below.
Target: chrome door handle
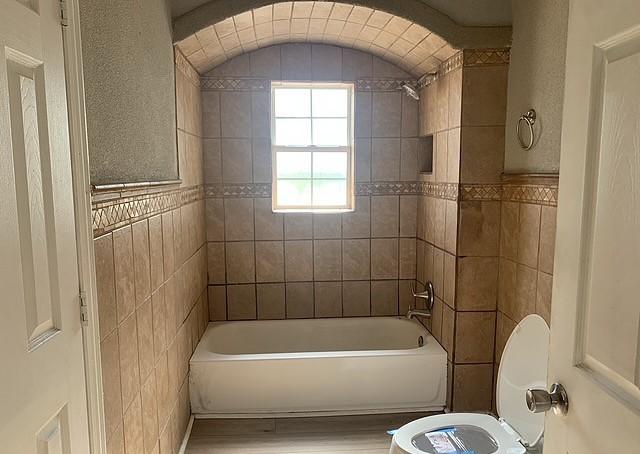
(540, 401)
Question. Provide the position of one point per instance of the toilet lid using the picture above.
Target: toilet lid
(523, 366)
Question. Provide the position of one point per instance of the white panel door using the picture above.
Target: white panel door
(595, 320)
(42, 387)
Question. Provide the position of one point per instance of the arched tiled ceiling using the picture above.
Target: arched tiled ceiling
(405, 43)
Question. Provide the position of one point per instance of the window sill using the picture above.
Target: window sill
(315, 211)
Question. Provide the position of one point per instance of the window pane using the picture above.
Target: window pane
(292, 102)
(330, 102)
(329, 193)
(293, 165)
(330, 165)
(330, 132)
(293, 132)
(292, 193)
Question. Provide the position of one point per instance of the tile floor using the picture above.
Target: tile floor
(317, 435)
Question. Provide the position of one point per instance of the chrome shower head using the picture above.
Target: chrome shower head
(411, 91)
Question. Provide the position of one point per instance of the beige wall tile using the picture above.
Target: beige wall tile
(268, 225)
(358, 223)
(265, 62)
(149, 414)
(241, 302)
(356, 64)
(409, 159)
(442, 113)
(155, 252)
(215, 219)
(328, 299)
(453, 155)
(168, 252)
(436, 319)
(437, 275)
(211, 114)
(115, 444)
(386, 114)
(356, 257)
(363, 160)
(133, 433)
(507, 288)
(440, 143)
(484, 95)
(216, 263)
(212, 157)
(405, 297)
(241, 266)
(439, 220)
(451, 226)
(525, 292)
(124, 272)
(384, 216)
(261, 150)
(261, 115)
(547, 239)
(327, 226)
(170, 298)
(409, 117)
(299, 299)
(450, 279)
(477, 288)
(475, 337)
(384, 258)
(455, 98)
(298, 258)
(479, 228)
(271, 303)
(105, 284)
(509, 221)
(217, 302)
(408, 215)
(296, 61)
(420, 261)
(129, 370)
(362, 114)
(448, 330)
(298, 226)
(236, 160)
(326, 62)
(384, 298)
(529, 234)
(356, 298)
(110, 361)
(385, 159)
(238, 219)
(543, 296)
(504, 328)
(144, 321)
(235, 114)
(482, 154)
(472, 387)
(162, 391)
(141, 265)
(269, 261)
(327, 260)
(407, 258)
(159, 315)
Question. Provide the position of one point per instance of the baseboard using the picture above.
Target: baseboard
(187, 434)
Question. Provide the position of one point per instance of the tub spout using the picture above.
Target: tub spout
(412, 313)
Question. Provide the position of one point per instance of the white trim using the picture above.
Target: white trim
(84, 233)
(187, 434)
(349, 149)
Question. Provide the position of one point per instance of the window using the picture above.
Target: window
(312, 146)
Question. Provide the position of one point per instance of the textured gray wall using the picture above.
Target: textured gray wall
(130, 90)
(536, 80)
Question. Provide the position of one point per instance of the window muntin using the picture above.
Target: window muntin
(312, 146)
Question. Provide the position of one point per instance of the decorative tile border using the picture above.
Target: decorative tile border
(238, 191)
(448, 191)
(185, 67)
(255, 84)
(467, 58)
(389, 188)
(539, 189)
(108, 215)
(470, 192)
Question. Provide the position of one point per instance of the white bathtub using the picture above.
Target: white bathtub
(320, 366)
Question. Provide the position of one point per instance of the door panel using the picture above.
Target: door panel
(42, 387)
(595, 321)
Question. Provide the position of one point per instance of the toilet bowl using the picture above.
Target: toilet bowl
(523, 366)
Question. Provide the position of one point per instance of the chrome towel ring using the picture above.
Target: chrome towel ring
(530, 119)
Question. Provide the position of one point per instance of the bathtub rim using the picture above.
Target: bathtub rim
(431, 346)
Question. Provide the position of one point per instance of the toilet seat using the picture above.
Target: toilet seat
(523, 366)
(507, 440)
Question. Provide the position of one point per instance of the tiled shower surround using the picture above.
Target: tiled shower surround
(150, 255)
(274, 266)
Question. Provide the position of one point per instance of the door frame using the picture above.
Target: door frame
(79, 150)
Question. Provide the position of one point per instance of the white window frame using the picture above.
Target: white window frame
(349, 149)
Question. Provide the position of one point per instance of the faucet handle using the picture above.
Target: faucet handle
(428, 294)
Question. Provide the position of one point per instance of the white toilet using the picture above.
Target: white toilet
(523, 366)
